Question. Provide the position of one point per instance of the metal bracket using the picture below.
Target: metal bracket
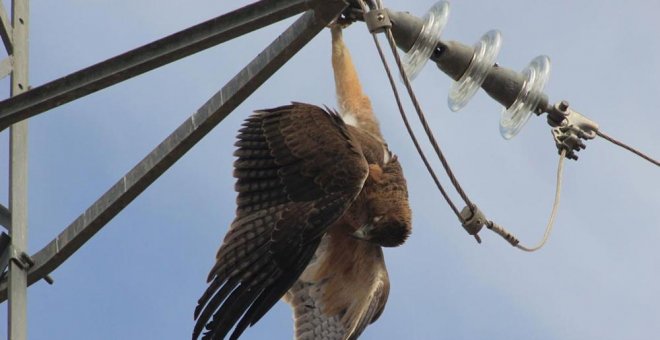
(21, 259)
(25, 262)
(9, 253)
(377, 20)
(570, 128)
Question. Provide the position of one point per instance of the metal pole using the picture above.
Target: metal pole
(18, 178)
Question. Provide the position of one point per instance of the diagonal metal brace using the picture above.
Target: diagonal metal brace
(6, 30)
(5, 217)
(149, 57)
(5, 254)
(181, 140)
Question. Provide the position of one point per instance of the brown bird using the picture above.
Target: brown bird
(319, 194)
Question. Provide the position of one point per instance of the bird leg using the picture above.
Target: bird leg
(354, 104)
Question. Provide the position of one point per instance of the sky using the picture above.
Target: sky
(140, 276)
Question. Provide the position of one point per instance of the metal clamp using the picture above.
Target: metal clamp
(23, 261)
(473, 221)
(570, 128)
(377, 20)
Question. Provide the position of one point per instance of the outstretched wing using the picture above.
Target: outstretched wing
(298, 170)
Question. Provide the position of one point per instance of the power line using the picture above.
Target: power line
(627, 147)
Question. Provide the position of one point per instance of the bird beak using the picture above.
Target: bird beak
(363, 232)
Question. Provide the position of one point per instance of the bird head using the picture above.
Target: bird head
(384, 230)
(388, 221)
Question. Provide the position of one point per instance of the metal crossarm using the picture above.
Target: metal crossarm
(181, 140)
(149, 57)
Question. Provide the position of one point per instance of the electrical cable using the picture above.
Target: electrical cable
(555, 207)
(407, 123)
(629, 148)
(425, 125)
(420, 113)
(377, 4)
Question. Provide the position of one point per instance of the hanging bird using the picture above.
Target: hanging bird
(319, 194)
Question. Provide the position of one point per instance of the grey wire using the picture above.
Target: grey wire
(425, 125)
(407, 123)
(555, 207)
(629, 148)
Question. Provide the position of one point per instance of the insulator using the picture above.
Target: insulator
(516, 115)
(485, 53)
(429, 37)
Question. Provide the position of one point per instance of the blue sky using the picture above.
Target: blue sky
(140, 277)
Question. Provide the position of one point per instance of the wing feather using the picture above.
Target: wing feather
(298, 170)
(377, 300)
(339, 304)
(310, 323)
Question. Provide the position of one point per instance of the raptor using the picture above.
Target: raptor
(319, 195)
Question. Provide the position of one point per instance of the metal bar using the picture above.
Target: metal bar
(5, 30)
(5, 253)
(6, 66)
(5, 217)
(18, 174)
(148, 57)
(181, 140)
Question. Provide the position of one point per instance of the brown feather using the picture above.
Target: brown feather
(306, 183)
(286, 201)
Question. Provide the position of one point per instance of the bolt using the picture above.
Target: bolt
(380, 17)
(563, 106)
(27, 259)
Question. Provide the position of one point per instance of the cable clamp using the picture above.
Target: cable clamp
(499, 230)
(473, 221)
(570, 128)
(377, 20)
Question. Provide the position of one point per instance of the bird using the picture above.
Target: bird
(319, 195)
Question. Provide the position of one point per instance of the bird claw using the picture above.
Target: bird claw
(346, 18)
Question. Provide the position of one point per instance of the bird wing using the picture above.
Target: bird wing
(344, 289)
(298, 170)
